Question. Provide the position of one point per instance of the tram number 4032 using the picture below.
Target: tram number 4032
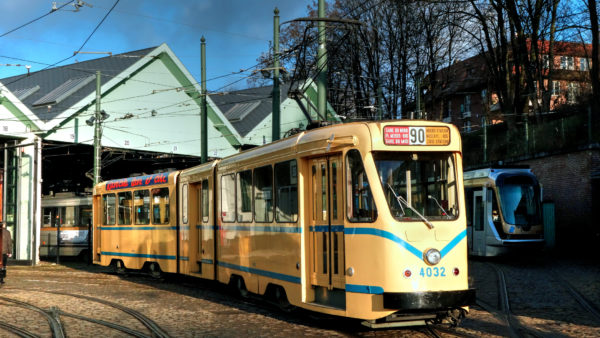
(433, 272)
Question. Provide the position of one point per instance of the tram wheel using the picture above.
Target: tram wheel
(120, 268)
(281, 299)
(155, 270)
(238, 286)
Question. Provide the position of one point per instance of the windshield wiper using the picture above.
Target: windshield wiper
(444, 213)
(401, 201)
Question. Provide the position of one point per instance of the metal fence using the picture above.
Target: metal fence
(528, 138)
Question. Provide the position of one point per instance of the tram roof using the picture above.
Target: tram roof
(494, 172)
(326, 139)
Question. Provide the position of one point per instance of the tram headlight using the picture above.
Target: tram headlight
(432, 256)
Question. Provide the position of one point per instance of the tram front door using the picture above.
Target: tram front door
(327, 266)
(479, 219)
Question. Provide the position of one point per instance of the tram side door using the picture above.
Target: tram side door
(327, 262)
(479, 212)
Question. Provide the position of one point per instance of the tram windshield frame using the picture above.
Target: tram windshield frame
(431, 179)
(520, 201)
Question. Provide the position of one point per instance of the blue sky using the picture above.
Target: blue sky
(236, 32)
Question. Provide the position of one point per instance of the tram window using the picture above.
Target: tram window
(286, 186)
(360, 204)
(263, 194)
(244, 196)
(418, 183)
(479, 213)
(85, 216)
(160, 205)
(68, 216)
(47, 217)
(184, 203)
(205, 201)
(125, 207)
(109, 202)
(469, 202)
(228, 198)
(141, 204)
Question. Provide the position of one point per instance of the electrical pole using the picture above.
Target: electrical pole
(203, 108)
(276, 90)
(97, 132)
(322, 64)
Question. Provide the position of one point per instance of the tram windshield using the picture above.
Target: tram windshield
(519, 200)
(419, 185)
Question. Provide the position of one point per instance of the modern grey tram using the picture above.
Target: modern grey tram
(504, 211)
(68, 216)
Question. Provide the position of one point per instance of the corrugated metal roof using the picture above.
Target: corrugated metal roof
(245, 109)
(22, 94)
(64, 90)
(240, 110)
(48, 80)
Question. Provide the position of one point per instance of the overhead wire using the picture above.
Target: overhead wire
(289, 52)
(34, 20)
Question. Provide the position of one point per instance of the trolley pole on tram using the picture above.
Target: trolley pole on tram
(97, 132)
(276, 90)
(322, 64)
(203, 107)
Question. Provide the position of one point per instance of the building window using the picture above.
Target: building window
(446, 110)
(546, 61)
(467, 106)
(567, 62)
(584, 64)
(555, 87)
(572, 92)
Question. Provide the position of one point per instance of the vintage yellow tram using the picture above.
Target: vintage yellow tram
(362, 220)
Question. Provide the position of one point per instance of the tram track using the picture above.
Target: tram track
(55, 325)
(503, 310)
(585, 303)
(17, 330)
(154, 328)
(54, 314)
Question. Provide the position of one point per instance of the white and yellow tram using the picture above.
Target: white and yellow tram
(67, 219)
(362, 220)
(504, 212)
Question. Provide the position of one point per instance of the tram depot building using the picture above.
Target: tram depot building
(150, 123)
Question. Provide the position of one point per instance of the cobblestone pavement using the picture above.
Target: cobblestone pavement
(186, 307)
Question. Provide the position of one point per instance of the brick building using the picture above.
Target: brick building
(463, 93)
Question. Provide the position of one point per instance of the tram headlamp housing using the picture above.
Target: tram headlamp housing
(432, 256)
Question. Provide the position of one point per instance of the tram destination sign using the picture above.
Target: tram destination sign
(416, 136)
(139, 181)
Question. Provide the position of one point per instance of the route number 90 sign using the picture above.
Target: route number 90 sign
(416, 136)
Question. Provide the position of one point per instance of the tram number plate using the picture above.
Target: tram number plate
(433, 272)
(416, 136)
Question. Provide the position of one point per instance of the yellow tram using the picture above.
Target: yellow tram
(362, 220)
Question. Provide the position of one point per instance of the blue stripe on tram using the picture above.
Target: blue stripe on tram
(270, 274)
(126, 254)
(373, 290)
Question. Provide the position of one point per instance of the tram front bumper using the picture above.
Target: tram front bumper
(433, 300)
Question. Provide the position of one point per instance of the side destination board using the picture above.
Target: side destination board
(139, 181)
(416, 136)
